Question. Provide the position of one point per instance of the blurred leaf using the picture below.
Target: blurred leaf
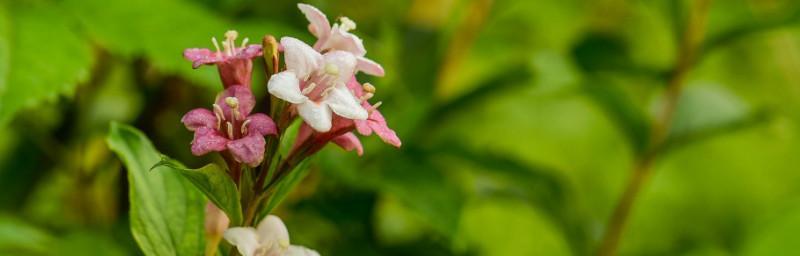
(508, 80)
(539, 182)
(776, 236)
(734, 20)
(41, 66)
(705, 107)
(5, 35)
(87, 243)
(158, 29)
(504, 227)
(166, 211)
(20, 238)
(602, 52)
(617, 105)
(214, 182)
(416, 182)
(700, 135)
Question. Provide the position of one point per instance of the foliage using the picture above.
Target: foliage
(520, 120)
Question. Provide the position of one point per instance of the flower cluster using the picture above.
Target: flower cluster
(316, 84)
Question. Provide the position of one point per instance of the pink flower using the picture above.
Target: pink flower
(316, 84)
(233, 63)
(231, 127)
(338, 38)
(341, 133)
(375, 122)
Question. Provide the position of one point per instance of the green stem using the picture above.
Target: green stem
(642, 171)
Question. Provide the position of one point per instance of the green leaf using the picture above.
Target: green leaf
(20, 238)
(284, 187)
(166, 211)
(214, 182)
(40, 65)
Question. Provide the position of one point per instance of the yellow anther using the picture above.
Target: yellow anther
(231, 35)
(232, 102)
(346, 24)
(331, 69)
(368, 88)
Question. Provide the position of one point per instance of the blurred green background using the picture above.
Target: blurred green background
(521, 124)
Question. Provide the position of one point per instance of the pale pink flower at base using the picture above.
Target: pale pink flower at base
(231, 127)
(234, 64)
(269, 238)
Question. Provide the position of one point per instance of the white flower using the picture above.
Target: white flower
(316, 84)
(338, 37)
(270, 238)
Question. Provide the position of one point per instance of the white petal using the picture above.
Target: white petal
(345, 63)
(344, 104)
(285, 86)
(370, 67)
(342, 40)
(296, 250)
(319, 26)
(316, 115)
(299, 57)
(271, 231)
(244, 238)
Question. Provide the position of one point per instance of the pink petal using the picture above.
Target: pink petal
(250, 52)
(200, 56)
(370, 67)
(243, 94)
(199, 117)
(207, 140)
(348, 142)
(319, 25)
(355, 87)
(362, 126)
(248, 150)
(378, 124)
(235, 71)
(261, 124)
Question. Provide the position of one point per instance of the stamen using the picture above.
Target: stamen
(375, 107)
(227, 48)
(218, 112)
(216, 45)
(244, 42)
(244, 127)
(326, 91)
(230, 37)
(347, 24)
(368, 88)
(237, 115)
(309, 88)
(366, 96)
(230, 130)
